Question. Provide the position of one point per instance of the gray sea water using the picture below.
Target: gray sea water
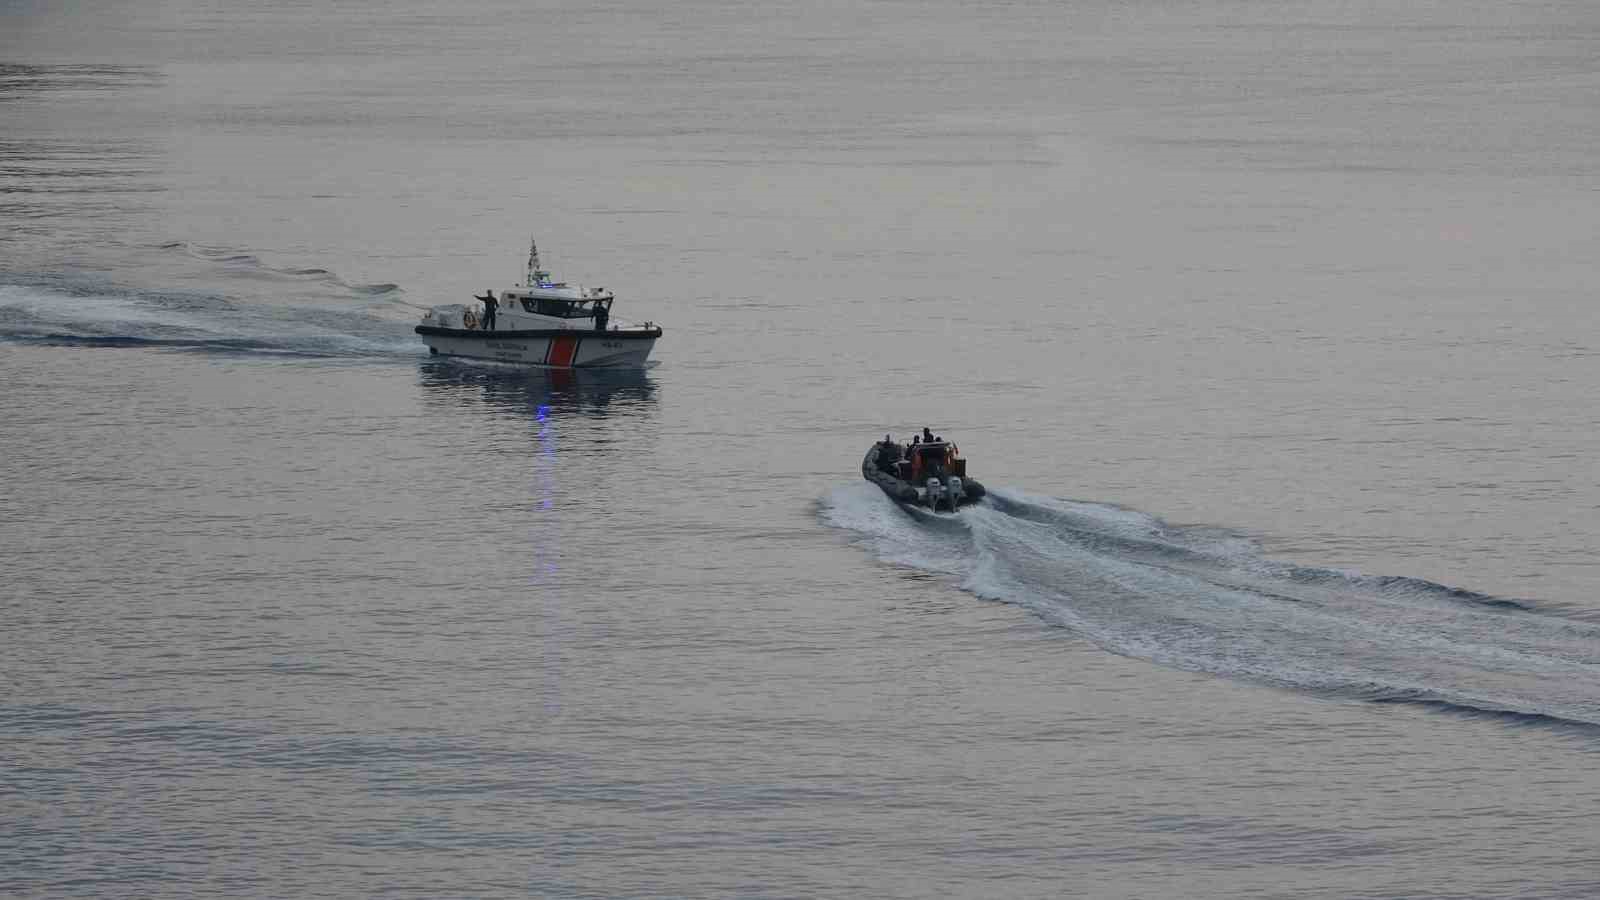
(1271, 326)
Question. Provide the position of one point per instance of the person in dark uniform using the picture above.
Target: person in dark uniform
(490, 304)
(601, 316)
(927, 436)
(888, 454)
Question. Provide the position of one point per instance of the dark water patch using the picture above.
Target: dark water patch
(1473, 710)
(47, 212)
(80, 178)
(77, 150)
(20, 80)
(212, 345)
(53, 715)
(1404, 585)
(243, 263)
(537, 393)
(65, 172)
(82, 189)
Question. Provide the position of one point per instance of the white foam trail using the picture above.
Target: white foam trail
(1203, 599)
(95, 310)
(892, 531)
(200, 323)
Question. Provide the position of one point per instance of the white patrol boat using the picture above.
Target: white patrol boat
(540, 322)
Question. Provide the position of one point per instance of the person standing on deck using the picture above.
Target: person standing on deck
(490, 305)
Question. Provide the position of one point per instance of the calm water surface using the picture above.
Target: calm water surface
(1271, 327)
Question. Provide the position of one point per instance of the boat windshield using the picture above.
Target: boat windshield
(557, 307)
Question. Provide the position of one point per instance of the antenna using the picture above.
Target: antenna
(535, 275)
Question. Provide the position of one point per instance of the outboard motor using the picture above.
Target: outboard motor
(953, 487)
(935, 494)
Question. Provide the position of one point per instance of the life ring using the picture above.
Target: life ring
(469, 320)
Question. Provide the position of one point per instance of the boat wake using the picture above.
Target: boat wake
(1206, 600)
(245, 264)
(195, 322)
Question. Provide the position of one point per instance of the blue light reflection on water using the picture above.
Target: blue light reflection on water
(561, 410)
(544, 566)
(547, 450)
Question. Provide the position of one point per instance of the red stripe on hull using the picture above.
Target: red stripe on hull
(563, 350)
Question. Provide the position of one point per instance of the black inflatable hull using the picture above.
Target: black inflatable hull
(905, 492)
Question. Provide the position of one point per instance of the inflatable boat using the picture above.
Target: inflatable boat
(930, 473)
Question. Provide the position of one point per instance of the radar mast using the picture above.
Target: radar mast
(536, 275)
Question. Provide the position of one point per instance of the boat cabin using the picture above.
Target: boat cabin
(914, 462)
(560, 307)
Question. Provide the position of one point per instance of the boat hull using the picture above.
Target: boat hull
(548, 348)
